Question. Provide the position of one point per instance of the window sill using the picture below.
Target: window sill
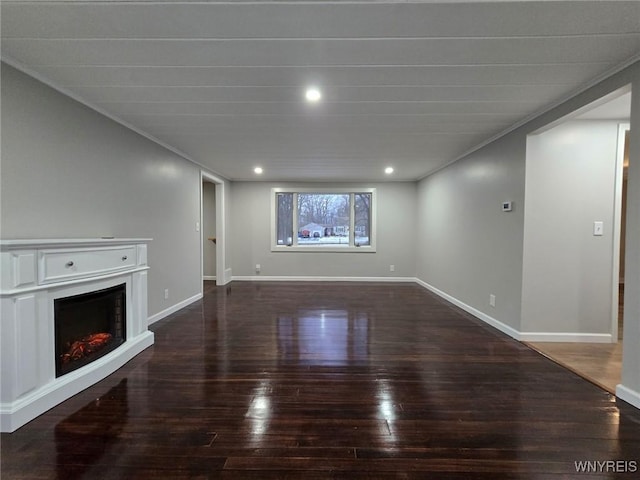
(327, 249)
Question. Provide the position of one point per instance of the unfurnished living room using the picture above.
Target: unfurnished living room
(319, 239)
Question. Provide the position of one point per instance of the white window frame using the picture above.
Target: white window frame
(351, 248)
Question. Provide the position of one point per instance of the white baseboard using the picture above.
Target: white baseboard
(261, 278)
(567, 337)
(630, 396)
(228, 276)
(504, 328)
(208, 277)
(174, 308)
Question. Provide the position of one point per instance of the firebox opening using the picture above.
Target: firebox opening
(88, 326)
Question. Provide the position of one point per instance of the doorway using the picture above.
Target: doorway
(213, 237)
(209, 238)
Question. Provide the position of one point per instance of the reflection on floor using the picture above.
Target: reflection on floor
(208, 286)
(600, 363)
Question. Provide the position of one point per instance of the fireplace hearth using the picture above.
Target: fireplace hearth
(88, 326)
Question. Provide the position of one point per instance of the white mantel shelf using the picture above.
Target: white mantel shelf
(35, 273)
(13, 244)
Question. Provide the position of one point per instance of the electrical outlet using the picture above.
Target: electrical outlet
(197, 226)
(257, 268)
(392, 268)
(492, 300)
(166, 293)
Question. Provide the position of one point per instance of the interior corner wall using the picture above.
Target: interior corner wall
(468, 247)
(68, 171)
(568, 272)
(209, 228)
(251, 231)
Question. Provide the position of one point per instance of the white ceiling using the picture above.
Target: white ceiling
(412, 84)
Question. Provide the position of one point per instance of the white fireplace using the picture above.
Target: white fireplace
(37, 275)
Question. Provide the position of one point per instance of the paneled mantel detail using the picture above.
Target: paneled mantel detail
(34, 274)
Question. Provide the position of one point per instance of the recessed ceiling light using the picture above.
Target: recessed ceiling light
(313, 95)
(388, 170)
(258, 170)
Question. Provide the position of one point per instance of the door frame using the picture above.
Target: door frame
(221, 278)
(623, 127)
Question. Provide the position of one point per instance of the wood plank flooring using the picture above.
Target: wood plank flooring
(328, 381)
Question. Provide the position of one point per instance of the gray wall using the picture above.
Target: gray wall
(567, 277)
(68, 171)
(250, 227)
(209, 228)
(468, 247)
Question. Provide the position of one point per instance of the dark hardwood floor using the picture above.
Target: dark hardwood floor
(329, 380)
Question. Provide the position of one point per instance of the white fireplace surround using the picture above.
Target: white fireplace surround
(34, 273)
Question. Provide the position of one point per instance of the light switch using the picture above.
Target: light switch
(598, 229)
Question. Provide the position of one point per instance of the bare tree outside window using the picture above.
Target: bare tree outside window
(284, 233)
(362, 219)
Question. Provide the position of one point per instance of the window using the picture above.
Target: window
(334, 220)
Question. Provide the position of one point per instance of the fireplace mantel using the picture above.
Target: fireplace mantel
(36, 272)
(68, 242)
